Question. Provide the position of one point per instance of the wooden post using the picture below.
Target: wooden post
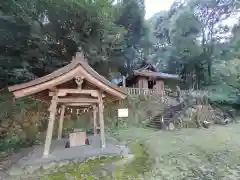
(94, 120)
(124, 81)
(60, 127)
(52, 110)
(101, 121)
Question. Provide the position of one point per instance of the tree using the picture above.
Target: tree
(188, 34)
(177, 43)
(226, 72)
(211, 13)
(41, 36)
(131, 17)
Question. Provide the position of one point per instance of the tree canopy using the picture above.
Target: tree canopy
(197, 39)
(38, 37)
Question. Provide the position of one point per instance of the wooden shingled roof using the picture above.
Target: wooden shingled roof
(150, 71)
(147, 67)
(78, 67)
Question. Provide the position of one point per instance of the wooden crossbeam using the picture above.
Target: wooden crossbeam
(64, 92)
(79, 104)
(77, 100)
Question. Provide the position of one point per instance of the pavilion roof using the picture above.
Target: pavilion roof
(78, 67)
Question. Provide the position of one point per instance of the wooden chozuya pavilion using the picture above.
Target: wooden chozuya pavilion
(75, 85)
(149, 78)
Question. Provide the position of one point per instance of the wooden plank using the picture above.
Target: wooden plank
(77, 100)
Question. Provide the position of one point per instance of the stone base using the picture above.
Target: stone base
(61, 156)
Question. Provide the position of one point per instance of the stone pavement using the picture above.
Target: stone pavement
(60, 155)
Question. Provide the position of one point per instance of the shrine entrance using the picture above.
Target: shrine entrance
(75, 85)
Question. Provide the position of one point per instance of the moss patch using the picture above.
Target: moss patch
(141, 163)
(92, 169)
(89, 170)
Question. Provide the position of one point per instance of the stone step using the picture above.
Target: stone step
(159, 122)
(156, 119)
(160, 119)
(154, 127)
(168, 114)
(154, 124)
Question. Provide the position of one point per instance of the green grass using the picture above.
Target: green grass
(195, 154)
(191, 153)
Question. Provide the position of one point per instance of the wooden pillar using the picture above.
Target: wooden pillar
(60, 127)
(139, 83)
(94, 120)
(101, 121)
(52, 110)
(162, 95)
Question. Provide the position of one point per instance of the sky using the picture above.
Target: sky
(154, 6)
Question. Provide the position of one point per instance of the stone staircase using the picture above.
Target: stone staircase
(158, 106)
(169, 114)
(163, 119)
